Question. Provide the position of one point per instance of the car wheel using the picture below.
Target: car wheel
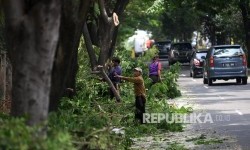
(238, 80)
(244, 80)
(210, 82)
(204, 80)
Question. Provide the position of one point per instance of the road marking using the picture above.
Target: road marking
(238, 112)
(221, 97)
(194, 80)
(205, 87)
(182, 75)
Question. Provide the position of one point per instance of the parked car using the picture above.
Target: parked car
(225, 62)
(180, 52)
(196, 62)
(163, 47)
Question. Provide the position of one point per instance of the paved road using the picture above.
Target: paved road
(227, 102)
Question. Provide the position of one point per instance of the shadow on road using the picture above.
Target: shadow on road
(225, 84)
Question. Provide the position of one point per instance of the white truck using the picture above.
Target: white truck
(139, 42)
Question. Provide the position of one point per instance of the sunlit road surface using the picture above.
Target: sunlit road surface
(227, 102)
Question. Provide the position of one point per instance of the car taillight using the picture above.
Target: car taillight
(211, 61)
(244, 60)
(196, 62)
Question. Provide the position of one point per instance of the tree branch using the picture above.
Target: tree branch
(113, 43)
(111, 85)
(103, 11)
(93, 33)
(90, 50)
(120, 6)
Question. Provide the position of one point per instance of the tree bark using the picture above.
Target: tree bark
(90, 50)
(245, 10)
(65, 65)
(107, 31)
(113, 43)
(105, 42)
(32, 36)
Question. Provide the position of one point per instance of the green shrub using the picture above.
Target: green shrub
(16, 135)
(87, 120)
(91, 115)
(168, 87)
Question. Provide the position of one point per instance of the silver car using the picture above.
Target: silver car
(224, 62)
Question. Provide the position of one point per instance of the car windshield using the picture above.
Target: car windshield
(225, 52)
(163, 45)
(182, 46)
(199, 55)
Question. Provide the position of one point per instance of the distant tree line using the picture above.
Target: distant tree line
(223, 22)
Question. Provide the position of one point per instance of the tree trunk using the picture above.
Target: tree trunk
(90, 50)
(105, 41)
(8, 95)
(71, 80)
(65, 65)
(113, 43)
(107, 33)
(32, 36)
(245, 10)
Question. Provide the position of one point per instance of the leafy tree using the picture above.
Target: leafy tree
(145, 15)
(216, 19)
(224, 17)
(244, 6)
(179, 20)
(101, 30)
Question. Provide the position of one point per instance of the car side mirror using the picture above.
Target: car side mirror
(203, 57)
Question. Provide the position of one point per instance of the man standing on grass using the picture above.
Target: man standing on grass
(140, 92)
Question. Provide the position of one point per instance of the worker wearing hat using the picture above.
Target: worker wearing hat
(140, 92)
